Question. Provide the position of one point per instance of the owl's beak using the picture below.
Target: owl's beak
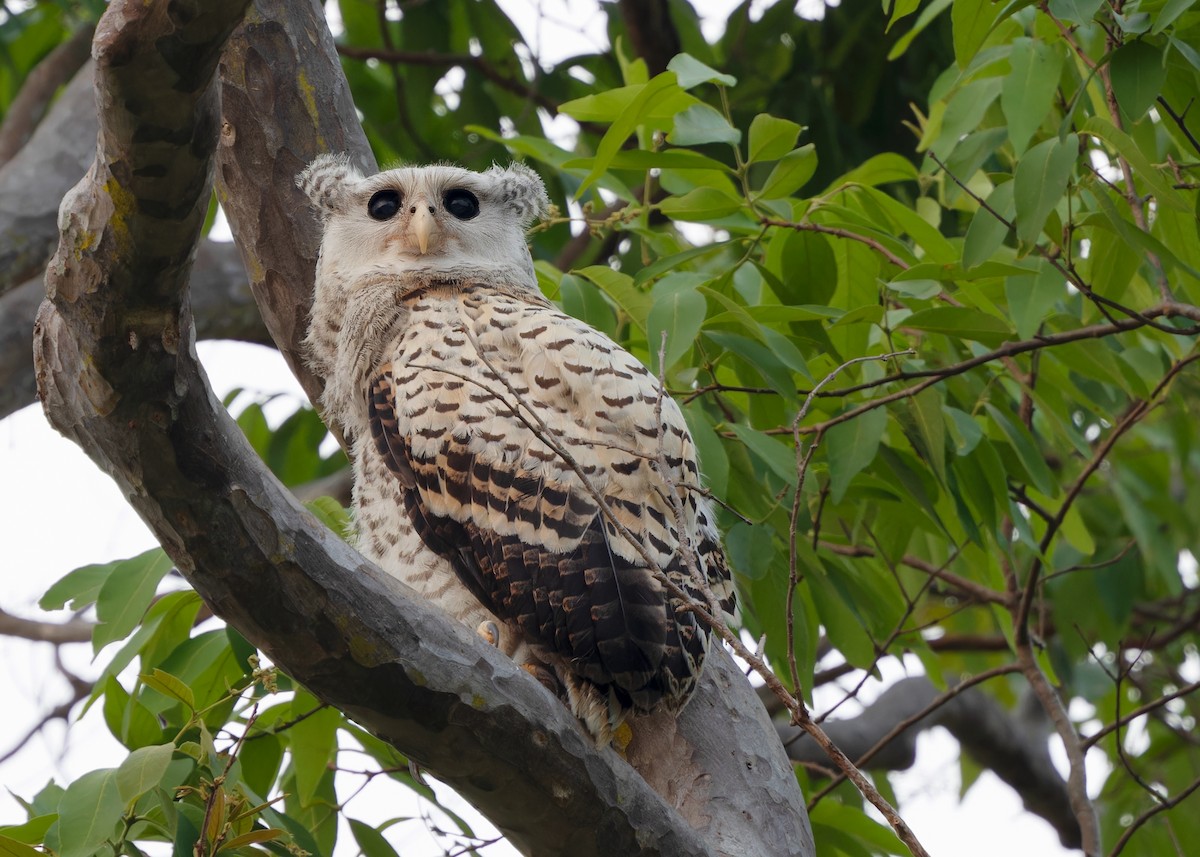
(422, 226)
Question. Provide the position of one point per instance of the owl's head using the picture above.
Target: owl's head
(433, 221)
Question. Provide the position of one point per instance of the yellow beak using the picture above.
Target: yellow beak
(422, 226)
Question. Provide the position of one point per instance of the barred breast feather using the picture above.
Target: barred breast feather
(509, 427)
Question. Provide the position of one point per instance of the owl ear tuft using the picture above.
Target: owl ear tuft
(521, 190)
(328, 180)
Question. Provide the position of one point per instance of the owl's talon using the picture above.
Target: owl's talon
(417, 774)
(544, 675)
(490, 633)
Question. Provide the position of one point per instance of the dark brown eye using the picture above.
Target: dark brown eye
(384, 204)
(461, 203)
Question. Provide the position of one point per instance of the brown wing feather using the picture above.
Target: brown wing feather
(607, 617)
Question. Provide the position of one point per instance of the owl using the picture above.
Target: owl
(512, 464)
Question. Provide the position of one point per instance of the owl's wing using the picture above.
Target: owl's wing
(469, 418)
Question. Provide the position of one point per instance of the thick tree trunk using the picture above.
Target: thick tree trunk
(117, 372)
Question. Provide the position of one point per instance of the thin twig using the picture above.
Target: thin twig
(1170, 803)
(897, 730)
(1093, 739)
(1135, 413)
(838, 233)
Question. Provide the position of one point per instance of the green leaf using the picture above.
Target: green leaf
(142, 770)
(640, 159)
(370, 840)
(607, 106)
(1075, 11)
(691, 72)
(771, 137)
(1029, 88)
(679, 314)
(1145, 171)
(30, 832)
(332, 514)
(313, 744)
(252, 837)
(751, 549)
(170, 686)
(714, 462)
(901, 9)
(761, 359)
(1138, 73)
(620, 288)
(961, 322)
(1170, 10)
(1039, 183)
(1026, 449)
(928, 16)
(847, 631)
(126, 594)
(791, 173)
(130, 722)
(701, 124)
(925, 412)
(260, 760)
(881, 169)
(78, 588)
(700, 204)
(658, 90)
(1030, 298)
(851, 446)
(88, 813)
(968, 155)
(209, 665)
(986, 232)
(972, 21)
(854, 822)
(13, 848)
(585, 302)
(779, 457)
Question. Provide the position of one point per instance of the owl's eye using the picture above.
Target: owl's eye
(461, 203)
(384, 204)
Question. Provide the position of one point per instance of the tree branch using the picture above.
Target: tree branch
(37, 178)
(39, 89)
(651, 31)
(71, 631)
(221, 304)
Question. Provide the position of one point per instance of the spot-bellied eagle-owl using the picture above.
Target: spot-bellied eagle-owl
(484, 425)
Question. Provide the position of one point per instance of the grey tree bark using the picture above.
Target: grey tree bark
(117, 372)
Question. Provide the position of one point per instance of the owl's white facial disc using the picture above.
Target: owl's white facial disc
(431, 222)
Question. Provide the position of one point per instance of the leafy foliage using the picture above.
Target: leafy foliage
(940, 369)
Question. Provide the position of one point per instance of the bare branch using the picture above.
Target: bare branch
(485, 67)
(221, 304)
(838, 232)
(71, 631)
(36, 179)
(1138, 822)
